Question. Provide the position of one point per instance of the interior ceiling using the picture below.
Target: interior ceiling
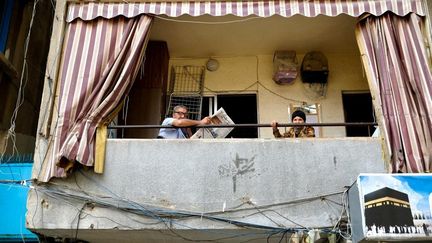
(234, 36)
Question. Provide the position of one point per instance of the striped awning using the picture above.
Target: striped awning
(309, 8)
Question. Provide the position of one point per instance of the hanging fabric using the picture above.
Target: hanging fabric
(396, 64)
(101, 59)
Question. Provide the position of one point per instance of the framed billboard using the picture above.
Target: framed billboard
(391, 207)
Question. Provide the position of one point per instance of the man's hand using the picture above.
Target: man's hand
(274, 124)
(206, 120)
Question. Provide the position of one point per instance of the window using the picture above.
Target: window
(242, 108)
(358, 108)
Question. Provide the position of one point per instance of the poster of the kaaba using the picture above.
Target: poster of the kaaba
(396, 205)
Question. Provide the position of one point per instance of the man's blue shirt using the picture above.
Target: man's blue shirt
(170, 132)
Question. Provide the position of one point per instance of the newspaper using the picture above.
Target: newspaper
(220, 117)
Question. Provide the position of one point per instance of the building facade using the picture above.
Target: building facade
(125, 63)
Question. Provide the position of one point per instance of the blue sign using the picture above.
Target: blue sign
(13, 198)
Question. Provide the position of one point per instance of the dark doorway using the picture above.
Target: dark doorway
(358, 108)
(241, 108)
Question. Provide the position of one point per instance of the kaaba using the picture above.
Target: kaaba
(391, 208)
(387, 207)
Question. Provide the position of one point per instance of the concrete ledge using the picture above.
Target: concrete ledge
(294, 182)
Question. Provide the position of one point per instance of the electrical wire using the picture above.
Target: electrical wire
(227, 91)
(21, 90)
(157, 212)
(270, 235)
(21, 229)
(288, 219)
(283, 235)
(67, 199)
(18, 183)
(278, 224)
(138, 206)
(78, 221)
(281, 96)
(294, 201)
(161, 215)
(346, 235)
(132, 206)
(259, 84)
(330, 206)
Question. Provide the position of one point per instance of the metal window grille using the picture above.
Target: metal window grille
(186, 88)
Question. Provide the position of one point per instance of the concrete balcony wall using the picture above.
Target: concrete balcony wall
(276, 183)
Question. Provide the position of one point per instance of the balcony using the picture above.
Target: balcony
(205, 189)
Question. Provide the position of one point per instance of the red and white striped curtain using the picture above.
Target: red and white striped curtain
(396, 64)
(101, 59)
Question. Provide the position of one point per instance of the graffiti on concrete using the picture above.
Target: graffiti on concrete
(238, 167)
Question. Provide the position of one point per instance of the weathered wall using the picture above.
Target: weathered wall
(235, 74)
(292, 177)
